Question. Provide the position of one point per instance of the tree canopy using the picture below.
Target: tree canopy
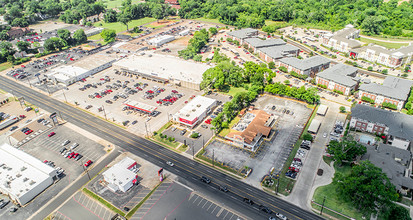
(372, 16)
(366, 187)
(345, 150)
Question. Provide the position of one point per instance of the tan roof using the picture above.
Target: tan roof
(256, 126)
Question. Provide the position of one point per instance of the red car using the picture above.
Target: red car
(75, 155)
(51, 134)
(71, 155)
(28, 132)
(88, 163)
(22, 116)
(294, 169)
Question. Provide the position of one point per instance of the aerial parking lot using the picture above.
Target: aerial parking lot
(105, 93)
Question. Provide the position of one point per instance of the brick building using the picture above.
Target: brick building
(394, 90)
(16, 32)
(378, 54)
(243, 34)
(310, 66)
(397, 126)
(342, 40)
(339, 77)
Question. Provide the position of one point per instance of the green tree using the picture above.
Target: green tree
(124, 18)
(65, 35)
(370, 68)
(108, 35)
(79, 36)
(308, 137)
(366, 187)
(342, 109)
(20, 22)
(23, 45)
(345, 150)
(271, 65)
(54, 43)
(4, 35)
(110, 16)
(212, 30)
(396, 212)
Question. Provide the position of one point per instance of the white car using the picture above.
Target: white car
(74, 146)
(170, 163)
(281, 216)
(324, 135)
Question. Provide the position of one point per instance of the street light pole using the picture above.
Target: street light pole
(29, 82)
(213, 158)
(322, 207)
(64, 94)
(104, 112)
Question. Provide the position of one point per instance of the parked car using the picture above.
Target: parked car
(281, 216)
(88, 163)
(183, 132)
(74, 146)
(265, 209)
(51, 134)
(3, 203)
(66, 142)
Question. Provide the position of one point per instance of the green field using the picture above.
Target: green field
(119, 27)
(117, 3)
(216, 21)
(269, 22)
(5, 66)
(384, 44)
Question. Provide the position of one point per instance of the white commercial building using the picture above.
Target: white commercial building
(69, 74)
(158, 41)
(121, 176)
(22, 176)
(164, 68)
(195, 111)
(125, 47)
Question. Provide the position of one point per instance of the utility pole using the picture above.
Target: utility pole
(64, 94)
(146, 129)
(29, 82)
(322, 207)
(203, 143)
(47, 88)
(213, 158)
(278, 184)
(104, 112)
(193, 150)
(60, 114)
(86, 170)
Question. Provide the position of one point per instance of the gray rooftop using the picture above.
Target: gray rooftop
(243, 33)
(400, 125)
(257, 42)
(392, 87)
(402, 52)
(393, 161)
(406, 50)
(306, 63)
(341, 74)
(277, 52)
(351, 42)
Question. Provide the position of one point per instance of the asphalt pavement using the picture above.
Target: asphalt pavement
(154, 153)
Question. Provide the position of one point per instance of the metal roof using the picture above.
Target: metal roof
(306, 63)
(392, 87)
(243, 33)
(257, 42)
(341, 74)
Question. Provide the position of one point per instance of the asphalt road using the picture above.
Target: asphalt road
(184, 167)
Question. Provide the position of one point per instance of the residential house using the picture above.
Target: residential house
(398, 127)
(93, 18)
(339, 77)
(394, 90)
(249, 132)
(16, 32)
(310, 66)
(378, 54)
(20, 54)
(394, 162)
(241, 35)
(342, 40)
(173, 4)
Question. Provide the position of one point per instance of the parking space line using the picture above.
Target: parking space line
(220, 211)
(195, 198)
(205, 204)
(232, 214)
(201, 201)
(210, 206)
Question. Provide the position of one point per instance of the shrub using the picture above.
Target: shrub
(389, 105)
(299, 76)
(342, 109)
(385, 71)
(287, 82)
(283, 69)
(370, 68)
(271, 65)
(308, 137)
(367, 99)
(322, 86)
(338, 91)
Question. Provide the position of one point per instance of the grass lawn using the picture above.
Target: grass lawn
(225, 131)
(384, 44)
(269, 22)
(234, 90)
(216, 21)
(183, 148)
(327, 160)
(117, 3)
(333, 200)
(171, 144)
(209, 162)
(119, 27)
(95, 37)
(5, 66)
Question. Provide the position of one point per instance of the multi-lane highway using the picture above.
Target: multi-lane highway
(184, 167)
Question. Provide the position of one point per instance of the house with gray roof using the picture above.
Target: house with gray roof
(394, 162)
(394, 90)
(257, 43)
(274, 53)
(388, 57)
(398, 127)
(310, 66)
(241, 35)
(342, 40)
(339, 77)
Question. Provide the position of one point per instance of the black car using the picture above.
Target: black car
(223, 188)
(126, 209)
(265, 209)
(249, 201)
(205, 180)
(305, 147)
(13, 128)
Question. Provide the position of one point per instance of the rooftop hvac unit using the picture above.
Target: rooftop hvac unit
(18, 175)
(32, 182)
(23, 168)
(25, 179)
(187, 115)
(198, 105)
(193, 110)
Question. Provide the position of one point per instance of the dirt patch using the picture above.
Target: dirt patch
(182, 41)
(48, 25)
(161, 23)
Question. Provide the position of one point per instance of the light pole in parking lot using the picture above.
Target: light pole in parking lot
(322, 207)
(104, 112)
(29, 82)
(86, 170)
(64, 95)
